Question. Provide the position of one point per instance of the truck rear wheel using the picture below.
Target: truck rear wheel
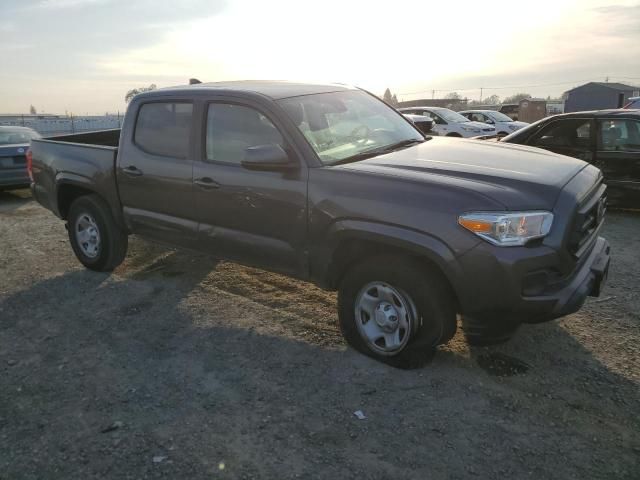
(98, 242)
(394, 311)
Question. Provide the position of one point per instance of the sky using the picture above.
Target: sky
(82, 56)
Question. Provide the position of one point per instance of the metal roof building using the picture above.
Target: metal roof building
(598, 96)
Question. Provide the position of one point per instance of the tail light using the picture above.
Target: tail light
(29, 156)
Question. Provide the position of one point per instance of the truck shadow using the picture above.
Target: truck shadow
(168, 363)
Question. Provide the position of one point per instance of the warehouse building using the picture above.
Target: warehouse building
(598, 96)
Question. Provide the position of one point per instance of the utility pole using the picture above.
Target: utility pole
(433, 92)
(480, 94)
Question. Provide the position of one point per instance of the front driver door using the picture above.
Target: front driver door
(253, 217)
(573, 137)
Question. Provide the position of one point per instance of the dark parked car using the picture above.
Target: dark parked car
(329, 184)
(424, 124)
(511, 110)
(634, 103)
(608, 139)
(14, 143)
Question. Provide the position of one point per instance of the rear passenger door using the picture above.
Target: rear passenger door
(253, 217)
(155, 170)
(618, 155)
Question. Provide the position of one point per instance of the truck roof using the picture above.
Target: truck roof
(274, 89)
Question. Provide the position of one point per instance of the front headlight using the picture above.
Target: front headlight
(508, 229)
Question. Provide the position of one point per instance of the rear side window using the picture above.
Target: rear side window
(163, 129)
(619, 135)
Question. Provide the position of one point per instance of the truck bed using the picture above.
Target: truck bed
(83, 160)
(105, 138)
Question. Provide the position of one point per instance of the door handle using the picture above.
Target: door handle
(132, 171)
(206, 183)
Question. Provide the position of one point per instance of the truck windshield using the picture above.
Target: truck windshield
(346, 125)
(499, 117)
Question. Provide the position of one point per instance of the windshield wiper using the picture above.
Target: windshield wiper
(402, 144)
(359, 156)
(374, 152)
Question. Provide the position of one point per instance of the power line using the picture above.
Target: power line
(432, 90)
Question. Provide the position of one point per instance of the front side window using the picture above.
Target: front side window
(163, 128)
(340, 125)
(478, 117)
(232, 129)
(619, 135)
(570, 133)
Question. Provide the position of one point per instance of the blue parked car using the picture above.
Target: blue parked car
(14, 143)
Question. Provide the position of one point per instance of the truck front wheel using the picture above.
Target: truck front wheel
(98, 242)
(393, 310)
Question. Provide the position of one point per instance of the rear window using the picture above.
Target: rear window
(163, 128)
(10, 136)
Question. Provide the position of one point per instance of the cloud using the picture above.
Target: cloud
(70, 35)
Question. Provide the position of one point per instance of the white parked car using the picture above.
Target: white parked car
(448, 123)
(504, 125)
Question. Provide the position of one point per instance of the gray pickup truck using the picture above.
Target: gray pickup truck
(328, 184)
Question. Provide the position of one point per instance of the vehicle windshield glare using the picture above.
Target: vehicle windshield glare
(345, 124)
(10, 136)
(499, 117)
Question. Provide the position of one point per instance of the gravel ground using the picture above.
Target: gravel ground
(176, 366)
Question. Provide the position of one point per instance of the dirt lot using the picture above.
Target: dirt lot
(176, 366)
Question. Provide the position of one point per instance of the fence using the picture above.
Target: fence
(49, 126)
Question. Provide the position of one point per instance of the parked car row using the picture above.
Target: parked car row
(448, 123)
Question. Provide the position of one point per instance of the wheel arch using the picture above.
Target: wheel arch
(69, 187)
(350, 242)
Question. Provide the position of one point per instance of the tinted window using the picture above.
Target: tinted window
(163, 129)
(620, 135)
(231, 129)
(572, 133)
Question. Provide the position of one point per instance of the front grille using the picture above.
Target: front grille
(588, 221)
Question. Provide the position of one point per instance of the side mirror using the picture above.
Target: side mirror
(267, 158)
(489, 121)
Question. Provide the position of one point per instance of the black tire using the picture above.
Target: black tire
(488, 330)
(502, 134)
(457, 135)
(435, 321)
(113, 240)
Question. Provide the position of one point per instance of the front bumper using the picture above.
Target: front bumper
(498, 278)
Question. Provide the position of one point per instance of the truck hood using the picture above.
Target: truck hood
(518, 177)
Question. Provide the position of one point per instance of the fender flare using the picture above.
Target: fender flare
(413, 241)
(63, 179)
